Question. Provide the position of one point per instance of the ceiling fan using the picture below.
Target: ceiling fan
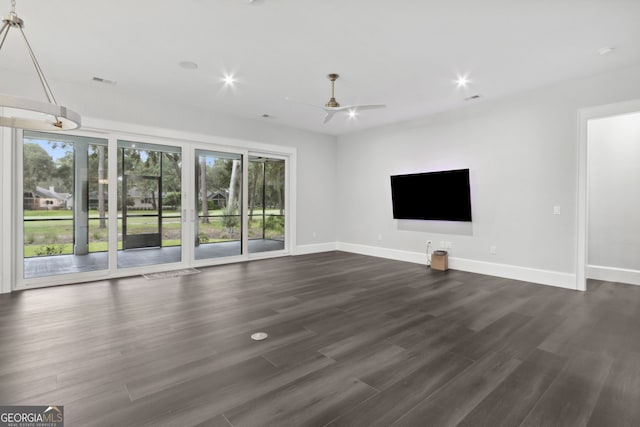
(332, 107)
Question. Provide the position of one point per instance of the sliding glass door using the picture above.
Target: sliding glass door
(226, 205)
(266, 204)
(64, 204)
(149, 204)
(218, 203)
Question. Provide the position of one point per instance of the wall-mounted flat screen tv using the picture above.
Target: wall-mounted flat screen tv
(442, 196)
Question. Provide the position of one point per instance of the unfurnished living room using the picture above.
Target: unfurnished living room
(319, 213)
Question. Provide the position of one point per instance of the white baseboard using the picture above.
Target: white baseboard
(526, 274)
(515, 272)
(315, 248)
(612, 274)
(396, 254)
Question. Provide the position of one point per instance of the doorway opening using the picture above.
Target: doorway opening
(613, 241)
(585, 117)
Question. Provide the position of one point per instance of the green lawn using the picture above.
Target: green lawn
(51, 232)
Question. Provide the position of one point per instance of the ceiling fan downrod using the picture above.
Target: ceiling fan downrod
(332, 102)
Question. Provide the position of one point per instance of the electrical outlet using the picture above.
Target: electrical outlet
(449, 245)
(493, 250)
(556, 210)
(443, 244)
(380, 237)
(314, 235)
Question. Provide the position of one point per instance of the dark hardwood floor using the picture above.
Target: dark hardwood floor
(353, 341)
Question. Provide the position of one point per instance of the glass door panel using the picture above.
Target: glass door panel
(218, 184)
(149, 199)
(64, 204)
(141, 230)
(266, 204)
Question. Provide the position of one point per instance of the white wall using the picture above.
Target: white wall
(614, 200)
(522, 154)
(316, 153)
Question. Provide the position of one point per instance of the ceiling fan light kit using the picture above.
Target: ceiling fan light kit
(57, 117)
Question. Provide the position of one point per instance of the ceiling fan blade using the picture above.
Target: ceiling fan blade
(329, 116)
(332, 107)
(362, 107)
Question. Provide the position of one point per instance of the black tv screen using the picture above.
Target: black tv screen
(442, 196)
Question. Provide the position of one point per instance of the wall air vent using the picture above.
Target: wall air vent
(105, 81)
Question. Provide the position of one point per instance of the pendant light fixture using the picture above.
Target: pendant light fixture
(56, 117)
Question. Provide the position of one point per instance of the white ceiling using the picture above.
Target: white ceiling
(404, 53)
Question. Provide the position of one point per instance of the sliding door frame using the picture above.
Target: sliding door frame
(145, 139)
(188, 142)
(18, 237)
(193, 217)
(287, 206)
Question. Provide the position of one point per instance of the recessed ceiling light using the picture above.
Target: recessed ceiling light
(472, 98)
(266, 116)
(606, 50)
(188, 65)
(229, 79)
(462, 81)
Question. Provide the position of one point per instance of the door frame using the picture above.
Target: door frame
(17, 235)
(288, 228)
(290, 161)
(193, 216)
(582, 221)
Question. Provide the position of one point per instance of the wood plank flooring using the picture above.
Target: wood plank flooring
(353, 341)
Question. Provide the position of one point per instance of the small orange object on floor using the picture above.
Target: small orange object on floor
(440, 260)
